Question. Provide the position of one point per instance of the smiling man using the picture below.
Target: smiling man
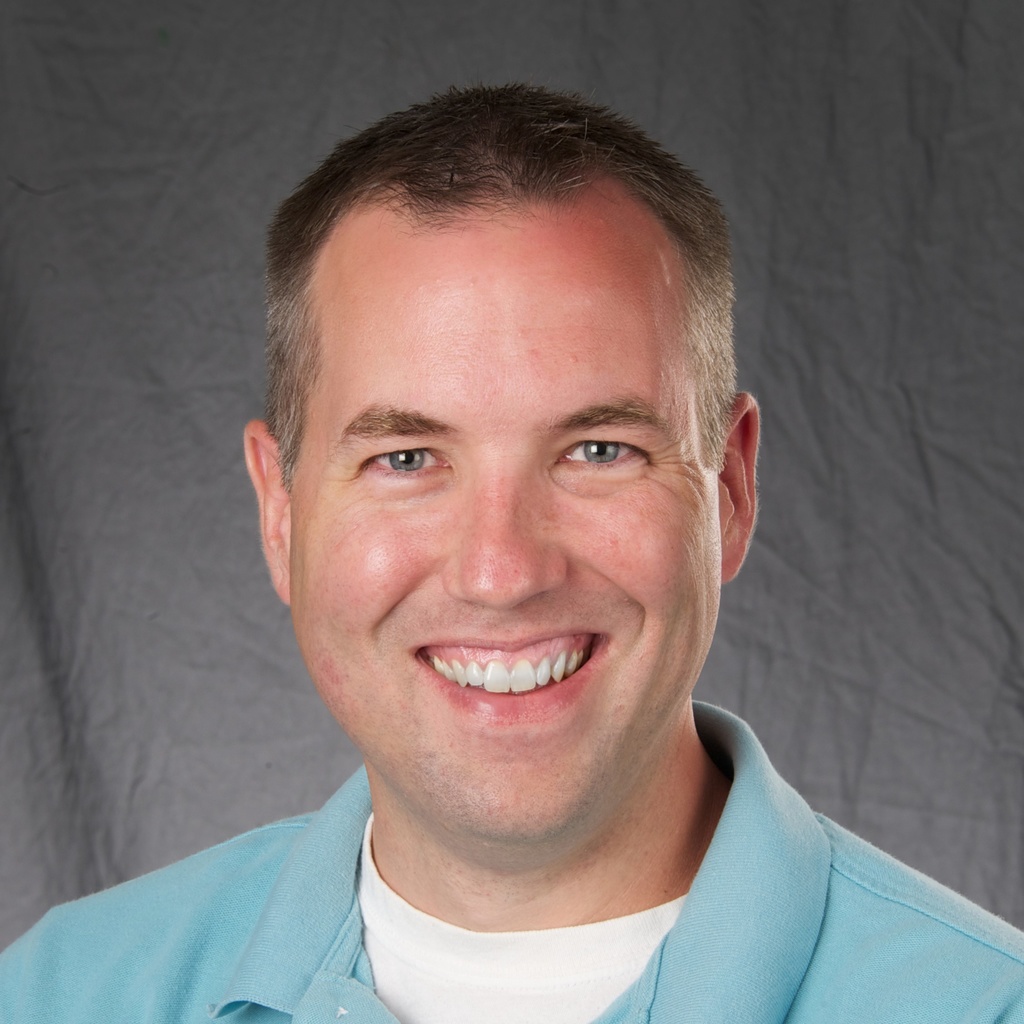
(502, 542)
(502, 479)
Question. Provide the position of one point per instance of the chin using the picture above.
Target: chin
(511, 821)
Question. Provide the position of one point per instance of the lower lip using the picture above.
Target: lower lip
(541, 704)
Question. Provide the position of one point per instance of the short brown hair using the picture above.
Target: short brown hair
(491, 148)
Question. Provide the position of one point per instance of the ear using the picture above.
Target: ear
(262, 459)
(737, 487)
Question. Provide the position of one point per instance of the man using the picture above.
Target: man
(503, 475)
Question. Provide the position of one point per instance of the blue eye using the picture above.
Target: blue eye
(407, 461)
(599, 451)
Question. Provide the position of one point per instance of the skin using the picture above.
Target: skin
(492, 349)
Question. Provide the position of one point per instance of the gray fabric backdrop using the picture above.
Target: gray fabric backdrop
(871, 156)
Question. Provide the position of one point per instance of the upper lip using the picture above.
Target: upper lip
(492, 643)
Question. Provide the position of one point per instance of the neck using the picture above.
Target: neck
(645, 856)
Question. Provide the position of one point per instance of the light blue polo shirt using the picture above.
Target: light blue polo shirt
(790, 918)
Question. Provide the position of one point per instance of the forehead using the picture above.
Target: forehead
(600, 224)
(590, 292)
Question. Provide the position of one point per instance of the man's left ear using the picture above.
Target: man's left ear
(737, 486)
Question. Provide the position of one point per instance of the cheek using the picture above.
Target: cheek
(354, 570)
(661, 549)
(357, 701)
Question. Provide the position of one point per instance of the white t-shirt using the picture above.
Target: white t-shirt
(427, 971)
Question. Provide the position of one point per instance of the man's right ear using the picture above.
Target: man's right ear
(262, 459)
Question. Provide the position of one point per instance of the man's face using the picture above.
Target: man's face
(501, 480)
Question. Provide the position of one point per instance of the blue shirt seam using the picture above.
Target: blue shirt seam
(906, 904)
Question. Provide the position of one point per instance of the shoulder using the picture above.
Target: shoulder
(214, 882)
(147, 934)
(885, 882)
(830, 927)
(903, 947)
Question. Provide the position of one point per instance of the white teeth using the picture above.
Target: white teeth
(460, 673)
(497, 678)
(558, 669)
(544, 671)
(523, 676)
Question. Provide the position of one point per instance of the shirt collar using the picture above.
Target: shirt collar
(311, 916)
(738, 952)
(751, 920)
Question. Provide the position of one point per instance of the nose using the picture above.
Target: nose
(505, 547)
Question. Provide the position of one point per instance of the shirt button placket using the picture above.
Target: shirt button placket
(331, 998)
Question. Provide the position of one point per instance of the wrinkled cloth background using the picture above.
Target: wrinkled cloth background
(870, 154)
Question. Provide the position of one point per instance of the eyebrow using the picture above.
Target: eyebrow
(621, 412)
(379, 422)
(384, 421)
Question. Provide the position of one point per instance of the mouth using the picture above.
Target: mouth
(520, 671)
